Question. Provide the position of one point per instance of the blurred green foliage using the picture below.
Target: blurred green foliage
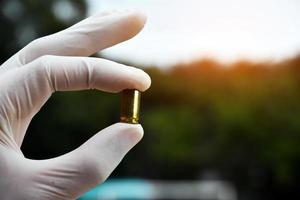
(242, 121)
(24, 20)
(227, 117)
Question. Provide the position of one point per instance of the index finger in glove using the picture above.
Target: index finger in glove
(84, 38)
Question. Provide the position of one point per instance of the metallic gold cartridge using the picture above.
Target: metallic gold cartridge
(130, 106)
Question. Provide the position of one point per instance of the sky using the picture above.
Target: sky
(226, 30)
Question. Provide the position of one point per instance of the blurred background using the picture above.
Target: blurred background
(222, 118)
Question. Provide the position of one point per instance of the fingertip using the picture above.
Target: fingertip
(134, 78)
(139, 80)
(136, 20)
(133, 133)
(146, 81)
(139, 17)
(136, 17)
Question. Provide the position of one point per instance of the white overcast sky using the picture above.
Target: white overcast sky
(227, 30)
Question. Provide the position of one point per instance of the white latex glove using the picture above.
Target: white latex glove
(50, 64)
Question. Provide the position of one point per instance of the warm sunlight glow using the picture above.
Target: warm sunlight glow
(179, 31)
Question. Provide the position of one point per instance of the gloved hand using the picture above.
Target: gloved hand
(56, 63)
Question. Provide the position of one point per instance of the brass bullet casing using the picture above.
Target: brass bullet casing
(130, 106)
